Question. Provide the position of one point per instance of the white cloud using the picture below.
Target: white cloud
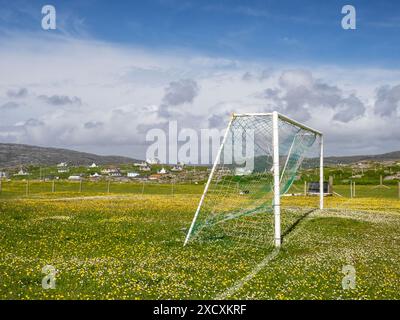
(387, 102)
(60, 100)
(178, 93)
(300, 94)
(9, 106)
(101, 97)
(18, 93)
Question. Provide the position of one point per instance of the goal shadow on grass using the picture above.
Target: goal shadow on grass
(294, 225)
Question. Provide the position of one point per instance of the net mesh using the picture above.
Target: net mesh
(238, 204)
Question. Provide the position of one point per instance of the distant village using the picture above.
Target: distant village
(153, 171)
(149, 170)
(388, 169)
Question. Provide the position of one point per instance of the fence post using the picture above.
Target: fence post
(1, 180)
(27, 188)
(142, 187)
(108, 186)
(354, 189)
(399, 188)
(80, 185)
(330, 185)
(351, 189)
(305, 188)
(172, 185)
(53, 187)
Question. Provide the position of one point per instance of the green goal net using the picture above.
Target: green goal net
(238, 200)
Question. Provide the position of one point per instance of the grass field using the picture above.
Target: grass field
(129, 246)
(36, 188)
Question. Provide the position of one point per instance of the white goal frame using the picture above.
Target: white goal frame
(275, 144)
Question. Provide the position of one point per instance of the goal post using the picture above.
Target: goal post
(321, 172)
(277, 192)
(257, 162)
(208, 181)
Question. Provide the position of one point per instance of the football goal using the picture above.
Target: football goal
(257, 162)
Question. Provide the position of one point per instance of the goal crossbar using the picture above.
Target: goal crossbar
(281, 116)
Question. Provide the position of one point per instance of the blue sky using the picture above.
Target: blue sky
(298, 31)
(113, 70)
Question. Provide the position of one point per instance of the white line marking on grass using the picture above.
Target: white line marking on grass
(239, 284)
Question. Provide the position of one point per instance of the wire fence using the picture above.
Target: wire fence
(12, 189)
(354, 190)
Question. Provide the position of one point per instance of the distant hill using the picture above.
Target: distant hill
(12, 155)
(314, 162)
(351, 159)
(260, 161)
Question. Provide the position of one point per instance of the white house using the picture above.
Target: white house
(393, 177)
(62, 164)
(177, 168)
(153, 161)
(162, 171)
(140, 164)
(74, 178)
(93, 165)
(95, 175)
(114, 172)
(62, 167)
(144, 168)
(132, 174)
(242, 172)
(222, 170)
(21, 173)
(3, 174)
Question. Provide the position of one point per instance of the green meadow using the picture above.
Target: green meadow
(128, 244)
